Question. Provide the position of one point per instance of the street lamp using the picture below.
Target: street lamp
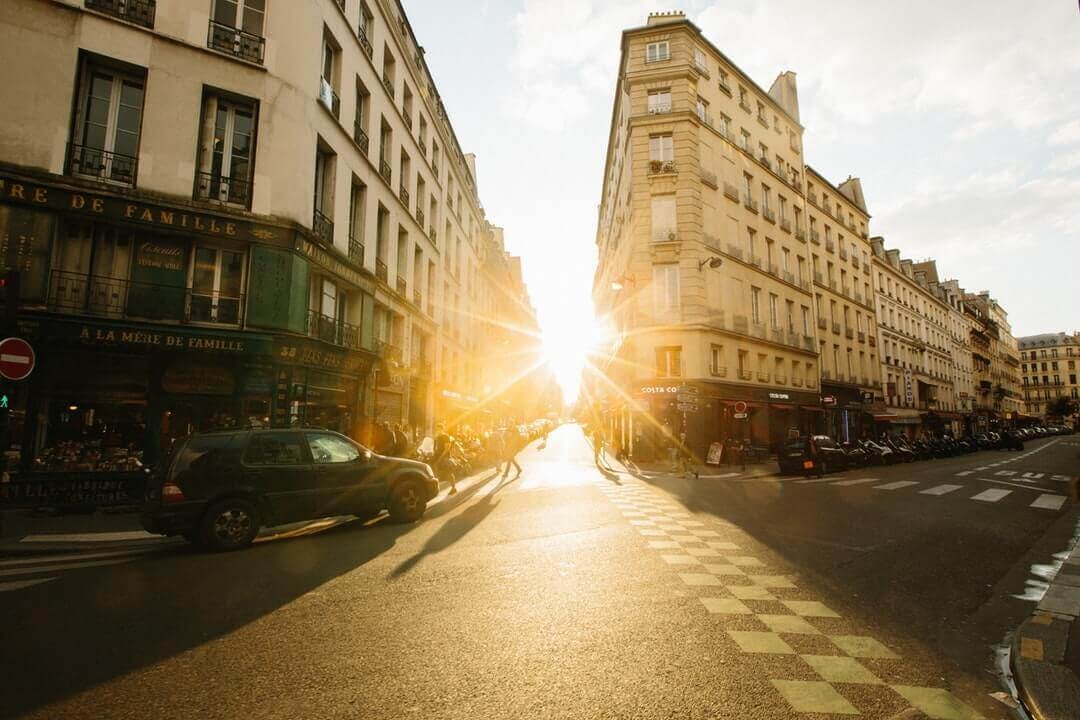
(621, 283)
(713, 263)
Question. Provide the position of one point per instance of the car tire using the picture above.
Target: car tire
(229, 524)
(407, 502)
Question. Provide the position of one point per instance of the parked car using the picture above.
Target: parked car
(794, 457)
(218, 489)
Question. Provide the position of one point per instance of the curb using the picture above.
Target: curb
(1049, 689)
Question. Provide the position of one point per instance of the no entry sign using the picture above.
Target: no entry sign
(16, 359)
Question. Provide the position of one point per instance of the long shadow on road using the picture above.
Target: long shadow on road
(93, 626)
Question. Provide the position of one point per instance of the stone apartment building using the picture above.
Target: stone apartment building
(1048, 366)
(997, 361)
(708, 245)
(228, 211)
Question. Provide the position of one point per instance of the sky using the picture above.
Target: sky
(961, 118)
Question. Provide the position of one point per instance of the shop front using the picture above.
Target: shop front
(319, 385)
(898, 421)
(845, 412)
(719, 413)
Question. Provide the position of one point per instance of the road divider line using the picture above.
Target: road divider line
(991, 496)
(940, 489)
(67, 557)
(1048, 501)
(965, 473)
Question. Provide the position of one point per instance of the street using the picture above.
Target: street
(569, 592)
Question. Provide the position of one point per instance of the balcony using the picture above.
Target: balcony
(380, 270)
(746, 375)
(857, 297)
(236, 42)
(323, 227)
(333, 330)
(785, 224)
(417, 298)
(755, 260)
(849, 333)
(709, 178)
(780, 379)
(796, 381)
(365, 43)
(774, 269)
(763, 375)
(403, 193)
(140, 12)
(724, 88)
(744, 105)
(872, 340)
(866, 268)
(763, 160)
(360, 138)
(83, 294)
(329, 98)
(402, 286)
(741, 324)
(731, 192)
(750, 204)
(862, 336)
(215, 188)
(812, 199)
(769, 215)
(389, 85)
(385, 171)
(815, 237)
(836, 328)
(718, 371)
(822, 323)
(356, 251)
(830, 246)
(855, 261)
(388, 351)
(735, 251)
(701, 67)
(658, 109)
(809, 344)
(419, 216)
(101, 165)
(800, 234)
(661, 167)
(433, 234)
(819, 278)
(843, 253)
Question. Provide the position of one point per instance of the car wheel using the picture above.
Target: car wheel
(407, 502)
(230, 524)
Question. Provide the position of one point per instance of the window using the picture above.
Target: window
(755, 304)
(226, 149)
(324, 194)
(367, 20)
(361, 115)
(744, 140)
(766, 198)
(236, 27)
(328, 81)
(666, 288)
(703, 110)
(722, 124)
(761, 113)
(660, 101)
(664, 218)
(763, 153)
(723, 83)
(748, 187)
(661, 148)
(805, 320)
(791, 316)
(668, 362)
(357, 215)
(782, 201)
(217, 277)
(774, 313)
(422, 136)
(389, 71)
(330, 449)
(743, 103)
(105, 136)
(716, 359)
(657, 51)
(275, 449)
(744, 361)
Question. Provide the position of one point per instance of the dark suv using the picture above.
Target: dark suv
(217, 489)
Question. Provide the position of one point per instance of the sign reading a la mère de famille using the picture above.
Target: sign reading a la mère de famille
(83, 203)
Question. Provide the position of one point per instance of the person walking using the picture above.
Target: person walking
(440, 458)
(511, 446)
(686, 459)
(597, 445)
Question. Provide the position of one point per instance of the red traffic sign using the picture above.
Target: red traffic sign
(740, 407)
(16, 359)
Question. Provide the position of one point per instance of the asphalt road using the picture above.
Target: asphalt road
(569, 593)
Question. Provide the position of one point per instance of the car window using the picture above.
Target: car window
(326, 449)
(275, 449)
(200, 454)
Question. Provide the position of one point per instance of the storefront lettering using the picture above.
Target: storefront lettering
(166, 257)
(658, 389)
(779, 396)
(154, 339)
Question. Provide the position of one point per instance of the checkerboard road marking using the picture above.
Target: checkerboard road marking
(992, 495)
(1049, 501)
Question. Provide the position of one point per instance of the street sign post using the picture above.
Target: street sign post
(688, 407)
(16, 359)
(686, 398)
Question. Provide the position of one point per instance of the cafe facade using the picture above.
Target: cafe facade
(153, 318)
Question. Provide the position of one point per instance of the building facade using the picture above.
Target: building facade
(997, 362)
(1048, 366)
(715, 265)
(226, 212)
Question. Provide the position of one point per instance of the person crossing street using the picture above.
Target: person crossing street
(509, 451)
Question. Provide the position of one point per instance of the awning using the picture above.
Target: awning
(883, 417)
(811, 408)
(777, 406)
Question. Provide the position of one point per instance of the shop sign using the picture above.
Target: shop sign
(686, 398)
(828, 400)
(659, 389)
(779, 396)
(159, 277)
(909, 389)
(867, 396)
(687, 407)
(311, 355)
(328, 261)
(197, 379)
(131, 337)
(110, 208)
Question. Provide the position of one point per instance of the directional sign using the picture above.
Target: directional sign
(687, 398)
(689, 389)
(740, 416)
(16, 359)
(687, 407)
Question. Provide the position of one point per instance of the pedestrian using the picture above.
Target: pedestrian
(686, 459)
(597, 445)
(815, 456)
(440, 459)
(511, 446)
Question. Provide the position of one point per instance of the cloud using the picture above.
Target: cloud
(1067, 134)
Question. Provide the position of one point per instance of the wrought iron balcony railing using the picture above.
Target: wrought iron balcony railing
(78, 293)
(385, 171)
(109, 166)
(236, 42)
(356, 251)
(234, 191)
(361, 138)
(380, 269)
(323, 227)
(333, 330)
(140, 12)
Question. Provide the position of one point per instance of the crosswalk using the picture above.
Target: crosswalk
(1015, 491)
(20, 573)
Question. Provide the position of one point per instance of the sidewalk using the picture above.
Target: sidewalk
(1046, 648)
(705, 472)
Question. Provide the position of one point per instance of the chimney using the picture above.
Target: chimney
(785, 93)
(852, 190)
(663, 18)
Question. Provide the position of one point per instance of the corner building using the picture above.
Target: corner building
(1048, 364)
(705, 261)
(231, 211)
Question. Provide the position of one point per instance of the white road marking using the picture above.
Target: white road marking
(859, 481)
(966, 472)
(92, 537)
(1005, 473)
(814, 480)
(32, 569)
(1060, 478)
(991, 496)
(1033, 475)
(940, 489)
(984, 467)
(66, 557)
(1048, 501)
(20, 584)
(896, 485)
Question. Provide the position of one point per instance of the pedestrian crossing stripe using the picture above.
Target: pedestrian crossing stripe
(857, 481)
(965, 473)
(1048, 501)
(1005, 473)
(940, 490)
(1033, 475)
(992, 495)
(896, 485)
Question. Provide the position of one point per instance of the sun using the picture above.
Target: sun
(567, 345)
